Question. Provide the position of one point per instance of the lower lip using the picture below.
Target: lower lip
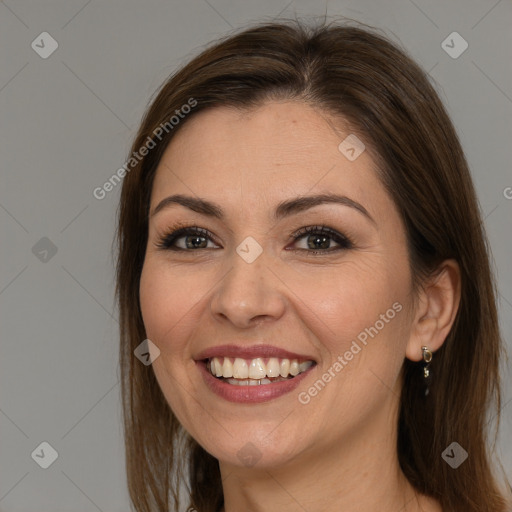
(250, 394)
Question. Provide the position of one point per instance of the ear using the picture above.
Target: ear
(437, 307)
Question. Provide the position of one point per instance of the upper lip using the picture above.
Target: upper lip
(250, 352)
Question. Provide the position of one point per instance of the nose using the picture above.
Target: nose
(249, 294)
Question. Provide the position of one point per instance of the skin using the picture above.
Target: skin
(338, 452)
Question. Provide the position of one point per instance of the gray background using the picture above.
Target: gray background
(67, 122)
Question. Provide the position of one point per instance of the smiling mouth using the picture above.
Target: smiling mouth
(255, 372)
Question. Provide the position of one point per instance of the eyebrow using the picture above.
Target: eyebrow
(283, 209)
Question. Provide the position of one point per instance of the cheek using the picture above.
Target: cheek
(165, 300)
(167, 308)
(153, 301)
(349, 299)
(358, 314)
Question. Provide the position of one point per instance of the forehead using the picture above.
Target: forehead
(273, 151)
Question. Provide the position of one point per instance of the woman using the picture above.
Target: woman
(303, 263)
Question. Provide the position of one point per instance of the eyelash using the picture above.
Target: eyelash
(167, 240)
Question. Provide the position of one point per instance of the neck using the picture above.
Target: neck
(360, 473)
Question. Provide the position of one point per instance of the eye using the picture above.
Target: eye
(193, 238)
(318, 240)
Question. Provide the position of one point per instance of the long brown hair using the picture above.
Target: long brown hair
(364, 79)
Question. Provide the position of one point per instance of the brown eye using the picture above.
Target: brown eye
(194, 238)
(319, 240)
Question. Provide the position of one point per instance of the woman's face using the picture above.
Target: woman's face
(340, 298)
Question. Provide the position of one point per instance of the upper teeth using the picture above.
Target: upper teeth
(256, 368)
